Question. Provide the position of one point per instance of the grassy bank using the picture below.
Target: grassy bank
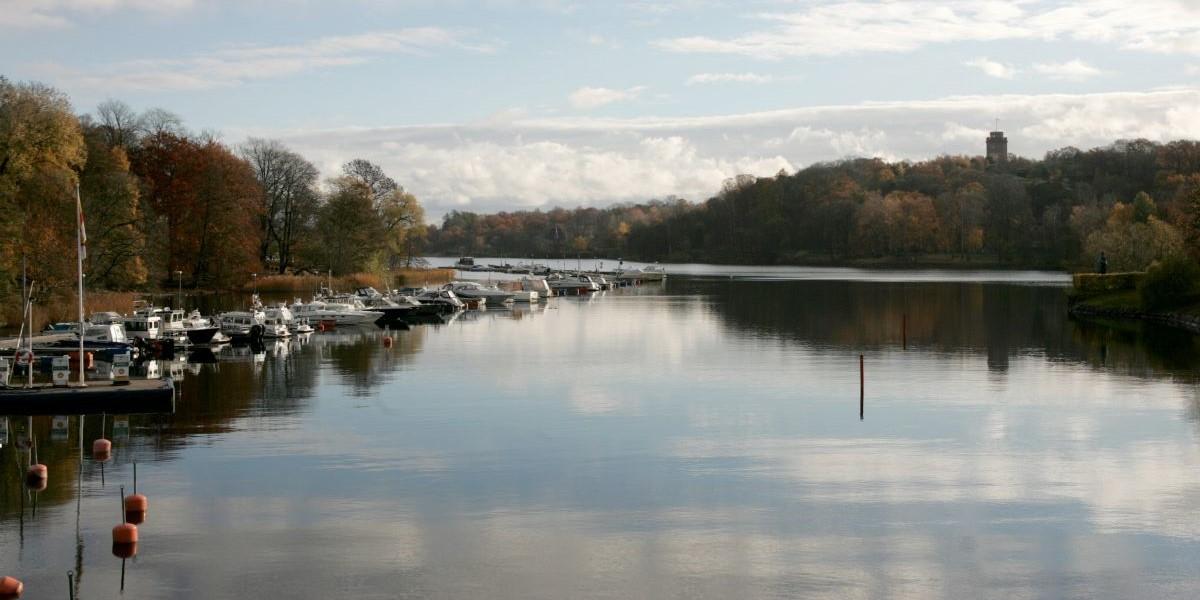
(1132, 296)
(310, 283)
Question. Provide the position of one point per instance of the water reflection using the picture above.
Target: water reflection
(699, 439)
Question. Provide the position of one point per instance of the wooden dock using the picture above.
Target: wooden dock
(44, 339)
(136, 397)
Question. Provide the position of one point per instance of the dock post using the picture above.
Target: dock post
(120, 367)
(904, 332)
(61, 370)
(861, 386)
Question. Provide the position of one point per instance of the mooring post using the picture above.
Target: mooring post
(861, 387)
(904, 331)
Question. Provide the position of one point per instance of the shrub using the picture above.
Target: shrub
(1172, 282)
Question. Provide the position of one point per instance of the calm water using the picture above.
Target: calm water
(698, 439)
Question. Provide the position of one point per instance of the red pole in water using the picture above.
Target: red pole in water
(861, 387)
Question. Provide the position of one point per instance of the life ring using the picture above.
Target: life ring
(24, 358)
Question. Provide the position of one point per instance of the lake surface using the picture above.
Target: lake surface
(695, 439)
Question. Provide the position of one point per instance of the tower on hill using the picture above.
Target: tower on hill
(997, 148)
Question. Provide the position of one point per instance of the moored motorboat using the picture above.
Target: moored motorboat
(475, 290)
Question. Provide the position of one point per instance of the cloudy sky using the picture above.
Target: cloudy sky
(507, 104)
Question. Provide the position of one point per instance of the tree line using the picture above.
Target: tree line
(163, 203)
(1135, 200)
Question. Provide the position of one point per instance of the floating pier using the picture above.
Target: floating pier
(139, 396)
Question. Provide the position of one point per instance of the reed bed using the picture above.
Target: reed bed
(308, 283)
(423, 277)
(65, 307)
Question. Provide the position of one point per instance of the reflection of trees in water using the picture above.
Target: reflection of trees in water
(997, 320)
(359, 357)
(1135, 348)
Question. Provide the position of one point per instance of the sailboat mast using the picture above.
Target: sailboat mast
(79, 239)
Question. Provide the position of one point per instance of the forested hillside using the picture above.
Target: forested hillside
(1136, 200)
(163, 203)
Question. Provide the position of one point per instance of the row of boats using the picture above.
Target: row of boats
(113, 331)
(649, 273)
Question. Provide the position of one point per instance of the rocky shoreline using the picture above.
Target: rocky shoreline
(1180, 321)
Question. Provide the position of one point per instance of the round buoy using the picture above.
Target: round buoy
(136, 503)
(36, 477)
(125, 533)
(101, 450)
(11, 587)
(387, 341)
(121, 550)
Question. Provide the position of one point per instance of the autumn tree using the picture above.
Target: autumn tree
(207, 201)
(348, 229)
(289, 198)
(111, 205)
(41, 148)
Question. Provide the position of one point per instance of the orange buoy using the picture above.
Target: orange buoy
(136, 503)
(36, 477)
(125, 533)
(11, 587)
(101, 450)
(387, 341)
(120, 550)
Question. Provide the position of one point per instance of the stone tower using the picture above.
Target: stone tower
(997, 148)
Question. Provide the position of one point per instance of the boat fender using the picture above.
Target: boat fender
(11, 587)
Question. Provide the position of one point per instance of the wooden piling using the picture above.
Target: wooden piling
(861, 387)
(904, 332)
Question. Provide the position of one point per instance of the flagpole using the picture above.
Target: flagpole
(79, 259)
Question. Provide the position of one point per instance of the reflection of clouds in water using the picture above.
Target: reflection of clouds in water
(1140, 487)
(594, 400)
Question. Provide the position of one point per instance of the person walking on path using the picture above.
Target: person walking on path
(1102, 264)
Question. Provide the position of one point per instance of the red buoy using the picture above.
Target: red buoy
(125, 533)
(11, 587)
(124, 550)
(136, 506)
(101, 450)
(136, 503)
(36, 477)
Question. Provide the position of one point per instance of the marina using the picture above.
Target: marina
(512, 433)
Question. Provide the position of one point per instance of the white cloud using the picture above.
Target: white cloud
(854, 27)
(1072, 70)
(238, 64)
(587, 98)
(38, 14)
(530, 162)
(701, 78)
(992, 68)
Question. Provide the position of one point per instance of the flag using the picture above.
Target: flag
(82, 229)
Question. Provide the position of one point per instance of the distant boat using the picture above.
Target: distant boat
(475, 290)
(242, 325)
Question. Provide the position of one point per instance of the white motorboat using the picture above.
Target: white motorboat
(525, 296)
(650, 273)
(242, 325)
(537, 284)
(143, 326)
(341, 313)
(445, 300)
(473, 289)
(276, 322)
(202, 330)
(560, 283)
